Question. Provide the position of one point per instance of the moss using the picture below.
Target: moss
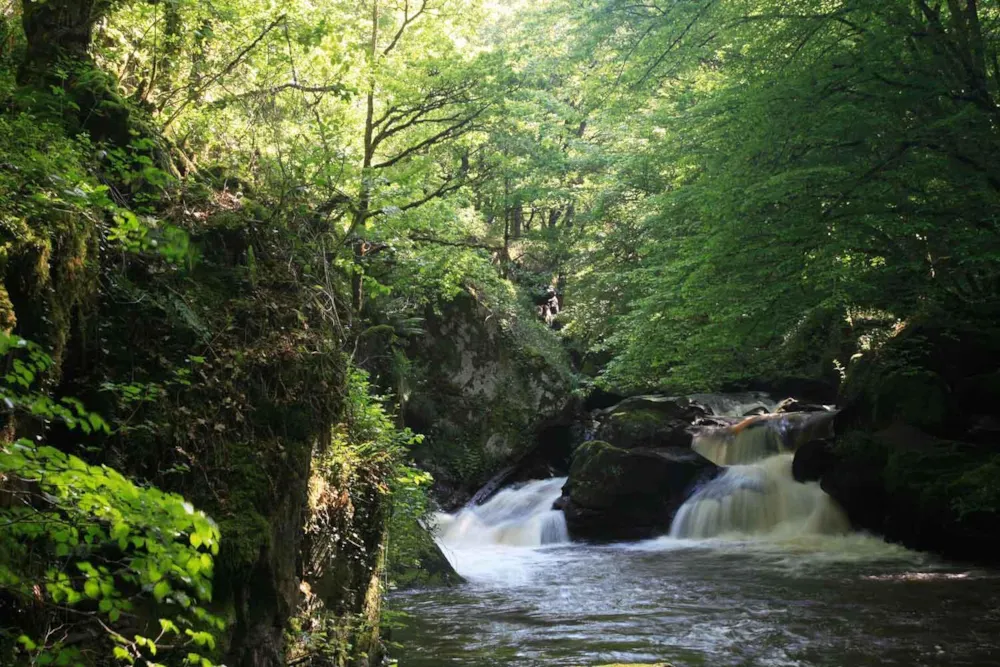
(947, 478)
(243, 537)
(482, 381)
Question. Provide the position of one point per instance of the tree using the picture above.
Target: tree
(833, 158)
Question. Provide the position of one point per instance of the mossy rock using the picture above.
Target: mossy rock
(480, 386)
(646, 427)
(619, 494)
(925, 492)
(431, 568)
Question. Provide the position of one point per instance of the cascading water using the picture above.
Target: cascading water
(735, 405)
(759, 499)
(517, 516)
(767, 573)
(757, 494)
(756, 438)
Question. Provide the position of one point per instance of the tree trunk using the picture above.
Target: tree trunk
(59, 29)
(517, 220)
(59, 35)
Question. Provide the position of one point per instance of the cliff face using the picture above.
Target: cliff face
(223, 378)
(483, 385)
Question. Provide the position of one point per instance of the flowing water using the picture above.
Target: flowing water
(757, 570)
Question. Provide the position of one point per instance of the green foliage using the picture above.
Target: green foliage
(129, 567)
(364, 495)
(118, 556)
(19, 393)
(956, 477)
(764, 166)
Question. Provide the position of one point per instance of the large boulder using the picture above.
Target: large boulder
(917, 450)
(483, 384)
(649, 421)
(644, 428)
(629, 494)
(812, 460)
(919, 490)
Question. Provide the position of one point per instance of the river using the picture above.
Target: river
(850, 603)
(757, 570)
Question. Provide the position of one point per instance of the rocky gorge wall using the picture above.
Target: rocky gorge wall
(485, 385)
(223, 379)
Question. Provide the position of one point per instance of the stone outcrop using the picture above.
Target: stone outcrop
(484, 385)
(915, 458)
(620, 494)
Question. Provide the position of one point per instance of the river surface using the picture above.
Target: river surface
(840, 601)
(758, 569)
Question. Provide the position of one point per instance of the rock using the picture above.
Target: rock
(676, 407)
(600, 399)
(812, 461)
(618, 494)
(713, 421)
(795, 405)
(917, 456)
(760, 410)
(644, 428)
(479, 394)
(859, 488)
(924, 492)
(649, 421)
(430, 567)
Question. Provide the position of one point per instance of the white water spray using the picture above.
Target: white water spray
(516, 516)
(761, 500)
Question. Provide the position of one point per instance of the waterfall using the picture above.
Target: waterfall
(757, 438)
(759, 499)
(757, 494)
(521, 515)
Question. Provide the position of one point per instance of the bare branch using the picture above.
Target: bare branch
(407, 21)
(448, 132)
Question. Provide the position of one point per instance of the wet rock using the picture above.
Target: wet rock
(675, 407)
(713, 421)
(644, 428)
(859, 488)
(618, 494)
(795, 405)
(760, 410)
(429, 567)
(812, 461)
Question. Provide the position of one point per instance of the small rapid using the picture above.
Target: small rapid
(757, 569)
(762, 501)
(520, 516)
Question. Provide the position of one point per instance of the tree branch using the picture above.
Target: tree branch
(225, 70)
(446, 133)
(407, 21)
